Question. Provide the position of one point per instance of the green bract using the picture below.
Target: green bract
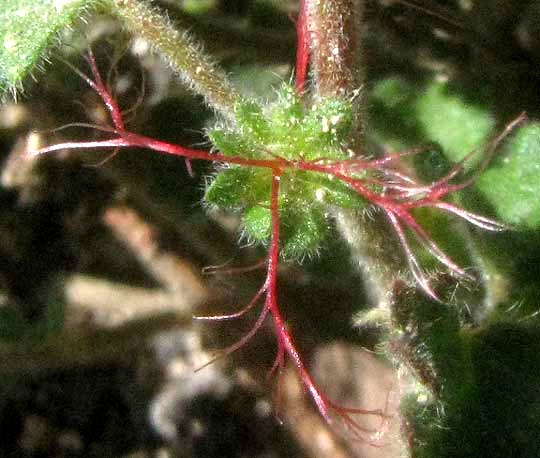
(291, 130)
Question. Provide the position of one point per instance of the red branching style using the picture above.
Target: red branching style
(395, 193)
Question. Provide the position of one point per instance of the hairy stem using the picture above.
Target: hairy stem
(180, 51)
(334, 28)
(372, 253)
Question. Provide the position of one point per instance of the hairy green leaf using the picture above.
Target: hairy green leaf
(27, 29)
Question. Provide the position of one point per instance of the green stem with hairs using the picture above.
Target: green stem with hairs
(180, 51)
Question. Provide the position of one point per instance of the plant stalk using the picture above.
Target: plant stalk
(335, 36)
(335, 33)
(180, 51)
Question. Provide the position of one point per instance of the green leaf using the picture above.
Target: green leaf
(406, 116)
(512, 182)
(27, 29)
(458, 124)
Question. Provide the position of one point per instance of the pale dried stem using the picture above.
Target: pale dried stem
(175, 274)
(111, 304)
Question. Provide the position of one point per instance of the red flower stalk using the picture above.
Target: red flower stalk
(302, 51)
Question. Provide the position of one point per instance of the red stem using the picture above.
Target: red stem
(285, 339)
(302, 51)
(104, 93)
